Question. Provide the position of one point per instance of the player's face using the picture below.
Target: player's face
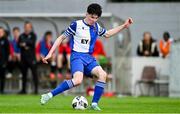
(91, 19)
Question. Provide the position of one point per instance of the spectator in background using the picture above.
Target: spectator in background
(16, 49)
(4, 54)
(27, 41)
(147, 47)
(42, 50)
(165, 45)
(15, 57)
(63, 58)
(99, 53)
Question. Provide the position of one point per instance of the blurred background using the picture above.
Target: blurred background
(142, 60)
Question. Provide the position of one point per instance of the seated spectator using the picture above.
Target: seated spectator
(15, 58)
(4, 54)
(165, 45)
(42, 50)
(147, 47)
(63, 59)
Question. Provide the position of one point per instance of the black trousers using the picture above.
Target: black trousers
(24, 70)
(12, 65)
(2, 79)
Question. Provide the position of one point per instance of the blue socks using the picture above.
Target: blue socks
(68, 84)
(98, 91)
(65, 85)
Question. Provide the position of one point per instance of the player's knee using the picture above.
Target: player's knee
(103, 76)
(77, 81)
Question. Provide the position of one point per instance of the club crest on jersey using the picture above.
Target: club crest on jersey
(84, 41)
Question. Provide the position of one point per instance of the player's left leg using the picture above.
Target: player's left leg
(95, 69)
(99, 86)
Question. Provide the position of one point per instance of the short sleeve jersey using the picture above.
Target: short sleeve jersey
(83, 36)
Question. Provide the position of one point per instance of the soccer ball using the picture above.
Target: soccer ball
(79, 103)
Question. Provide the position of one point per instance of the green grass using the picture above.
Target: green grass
(62, 104)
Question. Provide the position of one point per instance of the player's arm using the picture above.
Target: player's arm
(117, 29)
(55, 45)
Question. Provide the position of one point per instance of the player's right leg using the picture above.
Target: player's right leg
(65, 85)
(77, 71)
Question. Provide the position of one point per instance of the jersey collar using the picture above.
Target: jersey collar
(87, 24)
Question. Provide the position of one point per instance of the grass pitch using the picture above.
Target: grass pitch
(62, 104)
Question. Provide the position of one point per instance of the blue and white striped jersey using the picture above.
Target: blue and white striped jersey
(83, 36)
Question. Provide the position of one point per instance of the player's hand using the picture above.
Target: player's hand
(45, 60)
(128, 22)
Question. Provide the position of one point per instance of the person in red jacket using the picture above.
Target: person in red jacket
(63, 58)
(42, 49)
(15, 55)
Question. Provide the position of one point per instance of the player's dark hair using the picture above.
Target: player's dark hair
(16, 28)
(94, 9)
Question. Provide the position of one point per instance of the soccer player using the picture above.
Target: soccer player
(83, 35)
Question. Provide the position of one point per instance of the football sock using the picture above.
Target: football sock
(98, 91)
(65, 85)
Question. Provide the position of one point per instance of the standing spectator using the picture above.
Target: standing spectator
(165, 45)
(42, 50)
(16, 34)
(15, 57)
(4, 54)
(148, 46)
(63, 58)
(27, 42)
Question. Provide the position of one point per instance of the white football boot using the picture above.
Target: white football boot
(45, 98)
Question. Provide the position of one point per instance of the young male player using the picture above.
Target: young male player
(83, 35)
